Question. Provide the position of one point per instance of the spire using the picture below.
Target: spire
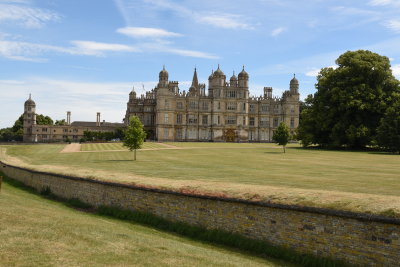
(163, 67)
(29, 96)
(294, 75)
(195, 81)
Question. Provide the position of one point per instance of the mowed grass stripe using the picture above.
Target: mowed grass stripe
(116, 146)
(39, 232)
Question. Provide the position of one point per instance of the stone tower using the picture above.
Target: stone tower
(29, 119)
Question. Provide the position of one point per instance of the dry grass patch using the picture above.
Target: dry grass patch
(354, 181)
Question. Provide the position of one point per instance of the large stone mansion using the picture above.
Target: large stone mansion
(224, 113)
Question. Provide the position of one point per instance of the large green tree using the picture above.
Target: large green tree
(134, 135)
(388, 135)
(43, 120)
(350, 101)
(282, 135)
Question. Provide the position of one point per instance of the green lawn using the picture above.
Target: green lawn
(359, 181)
(115, 146)
(38, 232)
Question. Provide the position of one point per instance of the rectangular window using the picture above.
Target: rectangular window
(179, 105)
(252, 108)
(219, 122)
(44, 129)
(65, 130)
(165, 118)
(231, 106)
(205, 120)
(147, 109)
(231, 120)
(192, 105)
(44, 136)
(178, 133)
(251, 121)
(166, 133)
(292, 123)
(192, 119)
(219, 105)
(292, 109)
(244, 106)
(264, 122)
(244, 120)
(264, 107)
(166, 103)
(178, 118)
(276, 109)
(276, 121)
(204, 105)
(231, 94)
(75, 137)
(75, 130)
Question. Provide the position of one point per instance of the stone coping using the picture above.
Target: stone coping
(323, 211)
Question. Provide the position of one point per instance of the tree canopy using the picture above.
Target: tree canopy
(134, 135)
(389, 129)
(350, 101)
(281, 135)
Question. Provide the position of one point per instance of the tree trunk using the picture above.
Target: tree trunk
(284, 149)
(134, 153)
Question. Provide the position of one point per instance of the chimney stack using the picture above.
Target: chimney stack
(98, 119)
(68, 117)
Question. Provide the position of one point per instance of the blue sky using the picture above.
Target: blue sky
(85, 56)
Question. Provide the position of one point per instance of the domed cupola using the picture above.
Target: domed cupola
(30, 102)
(163, 78)
(163, 73)
(294, 81)
(243, 75)
(218, 72)
(211, 76)
(233, 80)
(132, 94)
(294, 85)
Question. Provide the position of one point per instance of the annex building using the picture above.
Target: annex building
(224, 113)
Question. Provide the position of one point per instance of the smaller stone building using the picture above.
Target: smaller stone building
(57, 133)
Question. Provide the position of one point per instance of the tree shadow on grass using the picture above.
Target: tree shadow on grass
(273, 152)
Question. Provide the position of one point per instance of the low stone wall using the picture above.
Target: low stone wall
(355, 238)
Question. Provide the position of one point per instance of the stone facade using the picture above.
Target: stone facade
(225, 113)
(364, 240)
(56, 133)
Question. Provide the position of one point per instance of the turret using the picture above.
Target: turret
(267, 92)
(243, 79)
(132, 94)
(219, 77)
(163, 78)
(29, 119)
(233, 80)
(294, 86)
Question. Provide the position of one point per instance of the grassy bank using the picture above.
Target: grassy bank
(348, 180)
(40, 232)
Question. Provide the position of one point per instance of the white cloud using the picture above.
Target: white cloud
(313, 73)
(396, 70)
(25, 51)
(278, 31)
(141, 32)
(226, 21)
(26, 16)
(383, 2)
(98, 49)
(190, 53)
(393, 25)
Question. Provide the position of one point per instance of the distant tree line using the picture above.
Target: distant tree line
(356, 105)
(16, 132)
(118, 134)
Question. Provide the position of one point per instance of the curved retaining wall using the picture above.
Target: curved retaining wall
(355, 238)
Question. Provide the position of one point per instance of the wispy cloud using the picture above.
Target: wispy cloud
(384, 2)
(141, 32)
(220, 20)
(226, 21)
(393, 25)
(25, 15)
(98, 49)
(26, 51)
(396, 70)
(190, 53)
(278, 31)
